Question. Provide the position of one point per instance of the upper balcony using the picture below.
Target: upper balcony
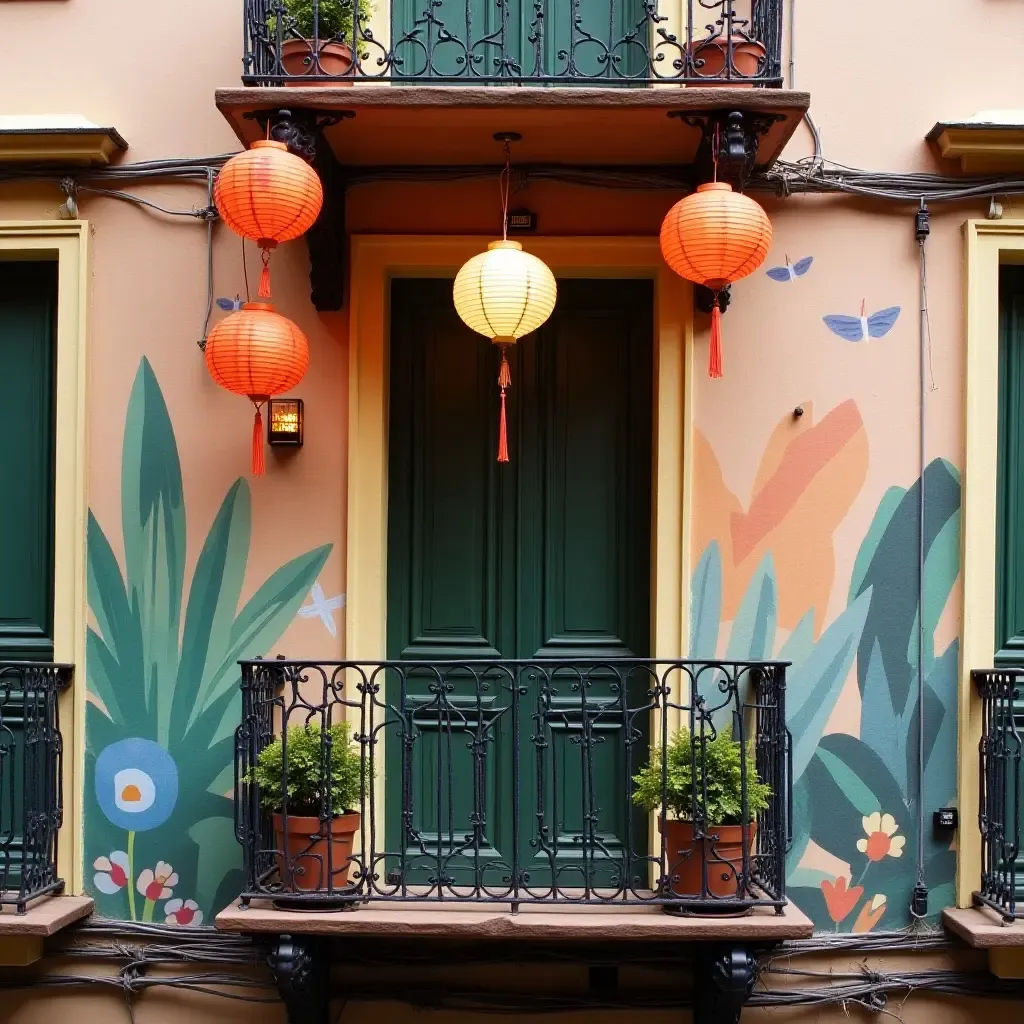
(514, 42)
(428, 83)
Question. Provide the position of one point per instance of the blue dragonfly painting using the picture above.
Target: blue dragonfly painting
(860, 328)
(230, 305)
(791, 271)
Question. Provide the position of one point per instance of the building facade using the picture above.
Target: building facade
(842, 500)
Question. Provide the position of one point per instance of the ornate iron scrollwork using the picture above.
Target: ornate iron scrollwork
(301, 969)
(723, 979)
(729, 142)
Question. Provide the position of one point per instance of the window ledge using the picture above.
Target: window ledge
(47, 139)
(45, 918)
(991, 142)
(465, 921)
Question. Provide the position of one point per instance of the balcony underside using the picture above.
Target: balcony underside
(455, 921)
(396, 126)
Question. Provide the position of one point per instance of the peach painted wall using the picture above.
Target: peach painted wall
(878, 82)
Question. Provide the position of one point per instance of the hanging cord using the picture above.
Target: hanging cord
(212, 216)
(715, 348)
(504, 373)
(922, 228)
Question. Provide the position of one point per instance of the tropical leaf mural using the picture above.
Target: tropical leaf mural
(163, 680)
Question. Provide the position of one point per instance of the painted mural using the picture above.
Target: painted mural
(768, 569)
(163, 681)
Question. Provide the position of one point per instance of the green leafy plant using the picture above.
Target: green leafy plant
(162, 656)
(335, 18)
(305, 771)
(717, 782)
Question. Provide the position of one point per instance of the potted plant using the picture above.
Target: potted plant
(711, 58)
(313, 854)
(308, 59)
(707, 773)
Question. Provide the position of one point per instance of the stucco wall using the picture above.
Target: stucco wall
(877, 86)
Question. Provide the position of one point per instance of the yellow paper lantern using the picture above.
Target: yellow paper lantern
(504, 294)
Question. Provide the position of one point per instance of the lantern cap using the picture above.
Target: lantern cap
(267, 307)
(505, 243)
(268, 144)
(715, 186)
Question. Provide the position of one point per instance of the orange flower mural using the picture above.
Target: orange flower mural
(870, 914)
(840, 900)
(809, 475)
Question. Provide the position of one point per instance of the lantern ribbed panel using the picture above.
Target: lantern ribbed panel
(257, 352)
(268, 194)
(504, 293)
(715, 235)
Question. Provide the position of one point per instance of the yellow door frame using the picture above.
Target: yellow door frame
(375, 260)
(988, 244)
(66, 242)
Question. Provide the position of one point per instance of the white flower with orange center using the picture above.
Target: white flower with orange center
(881, 839)
(157, 884)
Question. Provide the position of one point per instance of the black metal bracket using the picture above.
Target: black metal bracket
(301, 968)
(302, 132)
(704, 298)
(737, 134)
(723, 979)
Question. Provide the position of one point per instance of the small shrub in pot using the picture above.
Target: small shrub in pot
(315, 851)
(707, 773)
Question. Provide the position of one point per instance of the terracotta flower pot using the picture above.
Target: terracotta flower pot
(723, 855)
(297, 60)
(306, 847)
(747, 58)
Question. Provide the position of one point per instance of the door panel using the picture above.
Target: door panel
(546, 556)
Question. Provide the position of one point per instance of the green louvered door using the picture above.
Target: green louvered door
(547, 556)
(28, 302)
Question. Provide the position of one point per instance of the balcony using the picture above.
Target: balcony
(514, 784)
(31, 765)
(514, 42)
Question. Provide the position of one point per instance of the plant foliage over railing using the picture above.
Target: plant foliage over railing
(515, 781)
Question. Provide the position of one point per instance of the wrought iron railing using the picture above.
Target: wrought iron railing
(567, 42)
(999, 807)
(31, 761)
(514, 782)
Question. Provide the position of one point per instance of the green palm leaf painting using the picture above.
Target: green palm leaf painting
(162, 673)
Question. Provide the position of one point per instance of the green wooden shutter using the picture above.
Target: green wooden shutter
(28, 302)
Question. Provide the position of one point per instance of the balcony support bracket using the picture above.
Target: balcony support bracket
(732, 135)
(301, 968)
(723, 979)
(302, 132)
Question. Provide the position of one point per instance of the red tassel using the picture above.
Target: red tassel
(715, 355)
(258, 465)
(264, 290)
(504, 382)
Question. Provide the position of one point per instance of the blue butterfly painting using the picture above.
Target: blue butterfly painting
(791, 271)
(230, 305)
(860, 328)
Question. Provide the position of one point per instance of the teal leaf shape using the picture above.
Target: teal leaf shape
(813, 687)
(706, 604)
(263, 619)
(753, 630)
(800, 642)
(212, 602)
(153, 524)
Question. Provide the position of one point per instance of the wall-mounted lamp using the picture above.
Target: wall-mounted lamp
(284, 421)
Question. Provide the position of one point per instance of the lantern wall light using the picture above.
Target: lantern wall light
(284, 422)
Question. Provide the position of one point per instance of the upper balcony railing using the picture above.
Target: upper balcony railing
(31, 762)
(623, 781)
(514, 42)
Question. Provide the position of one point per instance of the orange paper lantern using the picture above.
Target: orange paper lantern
(258, 353)
(269, 196)
(714, 237)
